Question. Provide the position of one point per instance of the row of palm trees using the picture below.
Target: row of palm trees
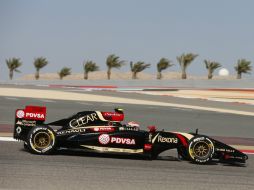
(113, 61)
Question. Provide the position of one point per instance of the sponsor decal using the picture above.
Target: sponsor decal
(108, 114)
(199, 139)
(105, 139)
(128, 129)
(119, 140)
(147, 147)
(18, 130)
(35, 115)
(155, 137)
(19, 123)
(83, 120)
(167, 139)
(71, 131)
(224, 150)
(113, 116)
(150, 137)
(110, 149)
(101, 129)
(20, 114)
(46, 149)
(26, 123)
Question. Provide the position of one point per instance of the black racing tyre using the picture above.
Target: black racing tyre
(41, 140)
(201, 150)
(26, 146)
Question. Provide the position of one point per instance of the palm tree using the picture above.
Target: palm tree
(65, 71)
(113, 62)
(89, 66)
(138, 67)
(39, 63)
(162, 65)
(184, 61)
(13, 64)
(243, 66)
(211, 66)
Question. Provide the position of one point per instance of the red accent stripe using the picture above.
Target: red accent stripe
(182, 139)
(248, 151)
(62, 86)
(147, 147)
(113, 116)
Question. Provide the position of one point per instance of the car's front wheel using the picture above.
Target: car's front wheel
(41, 140)
(201, 149)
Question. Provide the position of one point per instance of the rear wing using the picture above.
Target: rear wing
(27, 118)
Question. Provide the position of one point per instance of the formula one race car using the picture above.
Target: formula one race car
(103, 132)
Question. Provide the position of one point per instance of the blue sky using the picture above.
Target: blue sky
(67, 32)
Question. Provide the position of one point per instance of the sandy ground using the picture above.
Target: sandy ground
(246, 97)
(101, 75)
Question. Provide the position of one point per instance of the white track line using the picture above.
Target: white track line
(8, 139)
(11, 98)
(83, 103)
(183, 109)
(49, 101)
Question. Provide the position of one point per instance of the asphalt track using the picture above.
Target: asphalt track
(66, 170)
(168, 118)
(69, 170)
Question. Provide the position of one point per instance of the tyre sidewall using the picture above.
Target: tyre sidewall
(36, 130)
(198, 159)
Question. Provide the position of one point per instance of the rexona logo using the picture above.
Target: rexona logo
(167, 139)
(35, 115)
(105, 139)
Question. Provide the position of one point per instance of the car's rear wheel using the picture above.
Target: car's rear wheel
(201, 150)
(41, 140)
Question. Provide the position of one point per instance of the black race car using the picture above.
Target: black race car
(103, 132)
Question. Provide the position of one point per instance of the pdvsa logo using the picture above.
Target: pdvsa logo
(35, 115)
(20, 114)
(119, 140)
(106, 139)
(101, 129)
